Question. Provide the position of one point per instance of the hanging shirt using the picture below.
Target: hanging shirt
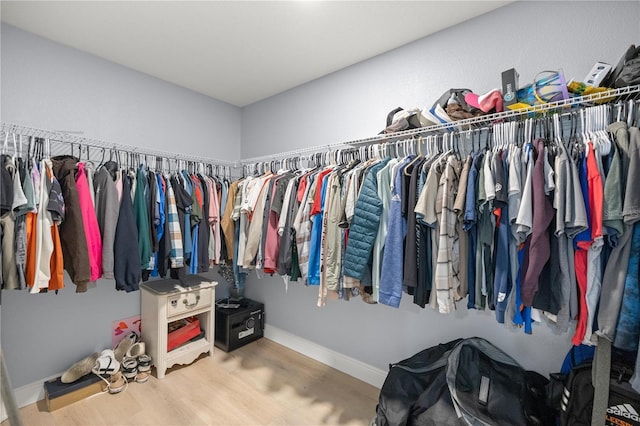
(447, 267)
(142, 221)
(214, 221)
(594, 264)
(302, 225)
(107, 210)
(91, 228)
(543, 213)
(126, 267)
(44, 240)
(227, 223)
(255, 226)
(502, 283)
(72, 232)
(160, 208)
(316, 215)
(582, 243)
(627, 330)
(176, 256)
(183, 203)
(390, 292)
(463, 237)
(288, 244)
(410, 273)
(384, 178)
(331, 254)
(15, 200)
(614, 279)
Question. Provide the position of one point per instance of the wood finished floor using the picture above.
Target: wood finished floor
(262, 383)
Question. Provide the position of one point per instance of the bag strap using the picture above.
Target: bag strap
(600, 377)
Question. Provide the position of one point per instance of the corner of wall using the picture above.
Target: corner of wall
(351, 366)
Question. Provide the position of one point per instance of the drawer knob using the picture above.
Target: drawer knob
(189, 305)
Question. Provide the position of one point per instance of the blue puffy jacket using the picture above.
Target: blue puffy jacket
(364, 226)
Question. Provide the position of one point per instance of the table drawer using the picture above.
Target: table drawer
(188, 301)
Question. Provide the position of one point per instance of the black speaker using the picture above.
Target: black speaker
(238, 322)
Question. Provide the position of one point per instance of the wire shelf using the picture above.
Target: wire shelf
(463, 125)
(69, 138)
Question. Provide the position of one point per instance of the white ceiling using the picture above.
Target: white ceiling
(238, 51)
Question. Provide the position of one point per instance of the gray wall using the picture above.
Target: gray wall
(353, 103)
(47, 85)
(51, 86)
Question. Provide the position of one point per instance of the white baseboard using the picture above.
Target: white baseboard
(31, 393)
(358, 369)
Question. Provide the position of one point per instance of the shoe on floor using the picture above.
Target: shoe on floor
(106, 364)
(142, 376)
(117, 383)
(129, 368)
(80, 368)
(144, 363)
(136, 350)
(123, 346)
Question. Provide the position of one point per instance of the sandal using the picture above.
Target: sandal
(144, 363)
(142, 376)
(129, 368)
(117, 383)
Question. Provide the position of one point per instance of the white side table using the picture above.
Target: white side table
(169, 300)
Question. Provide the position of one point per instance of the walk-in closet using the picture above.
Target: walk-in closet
(319, 212)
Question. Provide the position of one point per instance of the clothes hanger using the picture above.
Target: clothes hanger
(101, 159)
(557, 130)
(603, 120)
(631, 113)
(37, 149)
(415, 160)
(15, 148)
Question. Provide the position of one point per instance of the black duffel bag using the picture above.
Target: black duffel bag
(462, 382)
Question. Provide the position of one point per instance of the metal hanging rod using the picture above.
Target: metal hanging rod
(107, 145)
(460, 125)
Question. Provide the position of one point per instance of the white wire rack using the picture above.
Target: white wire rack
(104, 145)
(462, 125)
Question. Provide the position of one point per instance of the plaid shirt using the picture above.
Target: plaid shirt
(447, 267)
(177, 252)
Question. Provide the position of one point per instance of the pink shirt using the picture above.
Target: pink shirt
(90, 223)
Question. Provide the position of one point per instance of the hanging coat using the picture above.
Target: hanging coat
(126, 266)
(364, 227)
(73, 241)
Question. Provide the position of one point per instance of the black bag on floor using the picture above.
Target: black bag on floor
(596, 388)
(462, 382)
(577, 399)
